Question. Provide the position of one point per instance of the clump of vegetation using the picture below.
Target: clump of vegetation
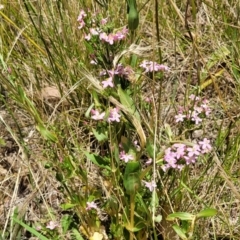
(119, 120)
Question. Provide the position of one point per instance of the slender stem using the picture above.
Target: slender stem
(132, 207)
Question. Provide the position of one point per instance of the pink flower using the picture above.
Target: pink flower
(103, 21)
(180, 150)
(82, 24)
(125, 157)
(91, 205)
(125, 30)
(180, 117)
(195, 117)
(162, 67)
(103, 36)
(205, 145)
(150, 185)
(94, 31)
(52, 225)
(80, 19)
(170, 158)
(194, 151)
(190, 159)
(108, 82)
(194, 97)
(119, 35)
(114, 115)
(111, 38)
(81, 16)
(88, 37)
(96, 115)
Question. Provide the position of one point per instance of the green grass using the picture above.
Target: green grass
(56, 159)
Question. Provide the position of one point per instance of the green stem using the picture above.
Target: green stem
(132, 208)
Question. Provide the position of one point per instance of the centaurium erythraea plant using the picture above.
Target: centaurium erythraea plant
(104, 41)
(114, 115)
(179, 154)
(195, 111)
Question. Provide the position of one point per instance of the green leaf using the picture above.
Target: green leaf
(77, 234)
(31, 230)
(179, 232)
(100, 136)
(155, 200)
(99, 161)
(131, 178)
(87, 114)
(180, 215)
(46, 134)
(67, 206)
(218, 56)
(208, 212)
(150, 149)
(65, 222)
(127, 101)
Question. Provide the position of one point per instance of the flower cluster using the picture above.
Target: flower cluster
(197, 109)
(120, 71)
(82, 15)
(180, 154)
(96, 28)
(114, 115)
(150, 66)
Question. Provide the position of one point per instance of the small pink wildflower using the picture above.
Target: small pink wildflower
(103, 36)
(82, 24)
(125, 157)
(114, 115)
(150, 185)
(81, 15)
(170, 158)
(94, 31)
(194, 97)
(119, 35)
(52, 225)
(110, 39)
(91, 205)
(195, 118)
(180, 150)
(88, 37)
(96, 115)
(190, 159)
(103, 21)
(179, 118)
(205, 145)
(80, 19)
(108, 83)
(194, 151)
